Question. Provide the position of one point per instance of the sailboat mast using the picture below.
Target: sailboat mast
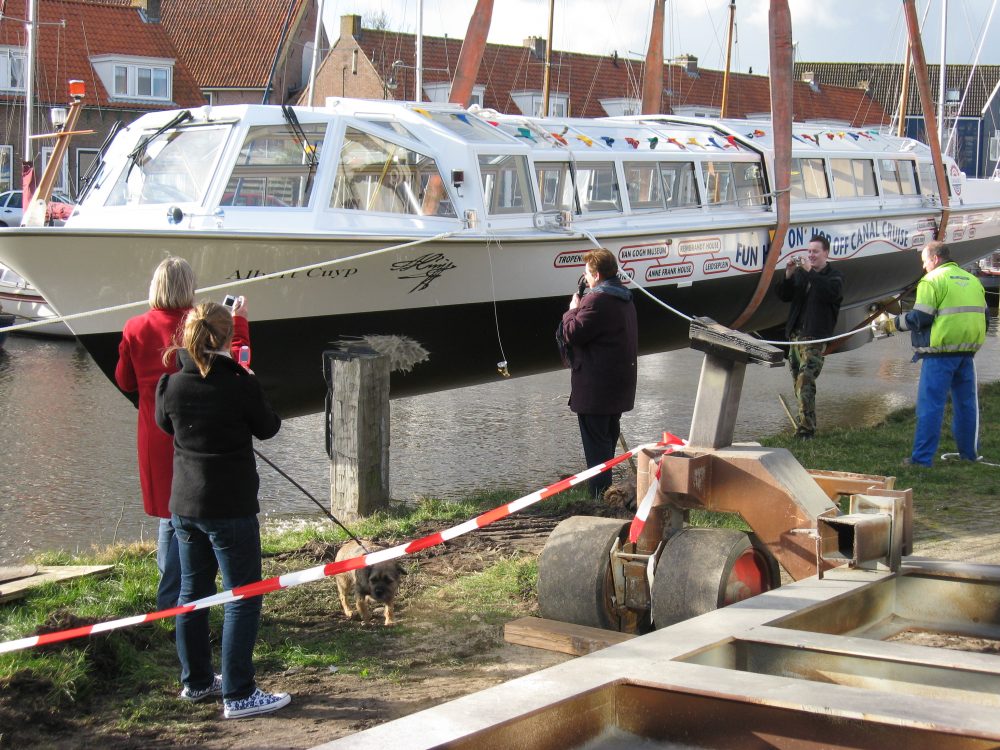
(547, 79)
(418, 80)
(729, 58)
(315, 55)
(652, 81)
(927, 107)
(467, 67)
(904, 96)
(31, 27)
(943, 69)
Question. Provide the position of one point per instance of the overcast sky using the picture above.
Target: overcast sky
(822, 30)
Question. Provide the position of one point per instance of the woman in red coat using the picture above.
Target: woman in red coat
(140, 365)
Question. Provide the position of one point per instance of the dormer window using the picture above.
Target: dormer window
(13, 62)
(136, 78)
(530, 103)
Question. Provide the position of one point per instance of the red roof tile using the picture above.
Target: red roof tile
(589, 78)
(229, 43)
(71, 32)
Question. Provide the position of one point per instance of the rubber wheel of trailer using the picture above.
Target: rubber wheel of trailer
(574, 575)
(704, 569)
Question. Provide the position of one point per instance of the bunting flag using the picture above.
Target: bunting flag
(494, 123)
(585, 139)
(855, 136)
(831, 136)
(693, 141)
(677, 143)
(462, 116)
(559, 138)
(840, 135)
(798, 138)
(608, 140)
(756, 134)
(866, 135)
(632, 142)
(716, 143)
(732, 141)
(653, 142)
(424, 112)
(525, 133)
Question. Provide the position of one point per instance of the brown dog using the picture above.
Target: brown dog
(379, 582)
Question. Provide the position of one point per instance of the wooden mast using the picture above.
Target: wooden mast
(904, 97)
(927, 107)
(780, 22)
(729, 58)
(652, 81)
(547, 80)
(471, 55)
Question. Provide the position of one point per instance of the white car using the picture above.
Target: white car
(11, 209)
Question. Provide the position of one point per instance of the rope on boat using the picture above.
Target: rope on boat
(320, 572)
(231, 284)
(688, 318)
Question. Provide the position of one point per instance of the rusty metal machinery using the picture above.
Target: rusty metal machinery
(590, 574)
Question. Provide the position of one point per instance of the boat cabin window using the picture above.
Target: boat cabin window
(555, 186)
(809, 179)
(173, 167)
(597, 187)
(680, 187)
(645, 189)
(899, 176)
(505, 184)
(733, 183)
(928, 181)
(275, 169)
(853, 178)
(382, 176)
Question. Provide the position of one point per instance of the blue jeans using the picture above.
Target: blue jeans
(206, 546)
(939, 376)
(169, 563)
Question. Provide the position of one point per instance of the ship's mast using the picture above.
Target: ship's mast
(723, 113)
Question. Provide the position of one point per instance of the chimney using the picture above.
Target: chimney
(809, 76)
(150, 9)
(537, 46)
(690, 63)
(864, 84)
(350, 25)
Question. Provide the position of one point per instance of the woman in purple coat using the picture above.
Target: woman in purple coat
(601, 332)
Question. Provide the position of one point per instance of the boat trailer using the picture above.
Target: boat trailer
(590, 574)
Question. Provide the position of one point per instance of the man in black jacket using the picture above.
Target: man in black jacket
(815, 290)
(601, 331)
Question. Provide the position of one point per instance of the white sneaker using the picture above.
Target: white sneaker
(196, 696)
(258, 702)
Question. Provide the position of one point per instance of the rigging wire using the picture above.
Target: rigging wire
(502, 364)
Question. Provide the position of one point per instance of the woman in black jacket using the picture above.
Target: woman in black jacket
(214, 408)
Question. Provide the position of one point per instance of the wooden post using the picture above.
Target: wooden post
(357, 431)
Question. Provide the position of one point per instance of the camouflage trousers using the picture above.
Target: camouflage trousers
(806, 363)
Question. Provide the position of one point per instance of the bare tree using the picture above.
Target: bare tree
(377, 20)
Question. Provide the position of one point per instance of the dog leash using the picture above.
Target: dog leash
(305, 492)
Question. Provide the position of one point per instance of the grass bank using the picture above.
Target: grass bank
(453, 611)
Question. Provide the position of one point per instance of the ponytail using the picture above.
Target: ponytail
(208, 329)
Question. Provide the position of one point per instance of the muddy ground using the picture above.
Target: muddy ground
(441, 650)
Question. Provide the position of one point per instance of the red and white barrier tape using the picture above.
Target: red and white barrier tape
(642, 512)
(330, 569)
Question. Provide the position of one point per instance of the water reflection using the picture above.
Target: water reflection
(68, 476)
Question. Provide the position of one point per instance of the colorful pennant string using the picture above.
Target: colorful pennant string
(653, 142)
(424, 112)
(586, 139)
(632, 142)
(732, 141)
(677, 143)
(525, 133)
(608, 140)
(693, 141)
(559, 138)
(462, 116)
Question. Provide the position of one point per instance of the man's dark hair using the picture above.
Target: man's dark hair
(603, 262)
(939, 249)
(821, 239)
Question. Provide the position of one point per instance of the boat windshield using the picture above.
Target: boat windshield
(275, 167)
(175, 167)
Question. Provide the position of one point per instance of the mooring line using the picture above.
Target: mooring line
(319, 572)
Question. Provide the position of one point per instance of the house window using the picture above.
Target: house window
(62, 176)
(137, 80)
(12, 68)
(440, 92)
(530, 103)
(209, 98)
(85, 158)
(6, 170)
(621, 107)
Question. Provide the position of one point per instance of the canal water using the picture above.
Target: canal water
(68, 477)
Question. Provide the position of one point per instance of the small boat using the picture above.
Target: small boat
(463, 230)
(988, 270)
(25, 305)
